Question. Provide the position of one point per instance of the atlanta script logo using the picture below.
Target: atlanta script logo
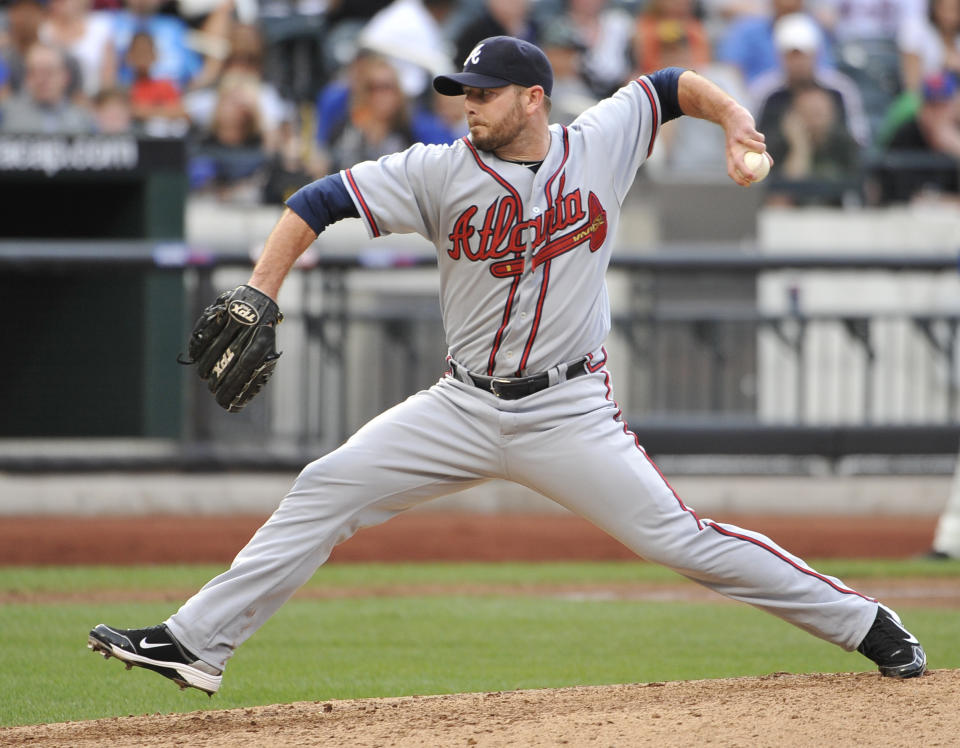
(501, 233)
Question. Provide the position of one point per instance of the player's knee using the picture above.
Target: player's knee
(328, 481)
(339, 467)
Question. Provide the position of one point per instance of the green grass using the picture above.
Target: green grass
(190, 577)
(379, 646)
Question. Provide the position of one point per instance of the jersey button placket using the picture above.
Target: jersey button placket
(531, 283)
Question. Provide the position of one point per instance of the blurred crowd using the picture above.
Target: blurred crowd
(859, 99)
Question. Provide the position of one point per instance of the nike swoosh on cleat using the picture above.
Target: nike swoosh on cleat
(908, 637)
(144, 644)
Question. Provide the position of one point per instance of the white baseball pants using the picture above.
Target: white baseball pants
(566, 442)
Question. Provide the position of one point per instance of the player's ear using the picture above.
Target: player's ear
(535, 97)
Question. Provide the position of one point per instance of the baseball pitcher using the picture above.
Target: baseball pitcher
(523, 216)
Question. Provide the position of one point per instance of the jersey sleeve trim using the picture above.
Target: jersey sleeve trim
(364, 208)
(323, 202)
(666, 82)
(654, 110)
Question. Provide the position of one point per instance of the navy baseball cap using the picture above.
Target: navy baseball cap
(499, 61)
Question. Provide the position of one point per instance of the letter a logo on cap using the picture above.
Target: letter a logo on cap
(474, 57)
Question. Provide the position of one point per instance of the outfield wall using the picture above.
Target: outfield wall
(92, 494)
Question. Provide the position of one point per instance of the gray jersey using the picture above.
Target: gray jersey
(522, 255)
(522, 260)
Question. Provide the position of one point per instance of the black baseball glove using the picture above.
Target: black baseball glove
(233, 345)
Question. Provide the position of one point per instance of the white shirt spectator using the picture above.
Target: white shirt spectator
(606, 60)
(89, 50)
(918, 37)
(411, 38)
(851, 20)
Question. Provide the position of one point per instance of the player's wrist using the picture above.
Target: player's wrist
(734, 115)
(264, 286)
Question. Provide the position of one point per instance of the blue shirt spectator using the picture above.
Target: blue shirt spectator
(175, 60)
(748, 44)
(333, 108)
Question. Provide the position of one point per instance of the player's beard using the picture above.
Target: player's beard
(502, 133)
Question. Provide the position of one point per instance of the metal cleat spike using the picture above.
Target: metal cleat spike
(129, 666)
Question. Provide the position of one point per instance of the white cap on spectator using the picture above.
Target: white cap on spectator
(796, 31)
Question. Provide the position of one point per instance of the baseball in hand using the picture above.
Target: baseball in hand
(758, 163)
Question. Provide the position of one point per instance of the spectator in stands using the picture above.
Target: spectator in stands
(748, 43)
(564, 47)
(88, 37)
(43, 105)
(4, 87)
(237, 120)
(333, 101)
(176, 61)
(607, 32)
(353, 10)
(211, 23)
(112, 110)
(689, 147)
(443, 123)
(939, 118)
(156, 103)
(667, 22)
(934, 129)
(24, 18)
(286, 171)
(717, 15)
(378, 120)
(814, 147)
(496, 18)
(930, 44)
(216, 16)
(230, 159)
(812, 117)
(411, 35)
(246, 57)
(798, 41)
(341, 100)
(864, 34)
(866, 20)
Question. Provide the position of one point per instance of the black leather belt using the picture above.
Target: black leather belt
(513, 388)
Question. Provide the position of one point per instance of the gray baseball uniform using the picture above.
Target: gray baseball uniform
(522, 256)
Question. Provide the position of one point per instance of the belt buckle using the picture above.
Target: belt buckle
(494, 381)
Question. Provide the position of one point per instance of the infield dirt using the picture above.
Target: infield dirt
(841, 710)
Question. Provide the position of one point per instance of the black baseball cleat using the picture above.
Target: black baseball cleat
(896, 651)
(156, 649)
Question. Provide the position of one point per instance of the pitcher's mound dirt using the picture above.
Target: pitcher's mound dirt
(847, 709)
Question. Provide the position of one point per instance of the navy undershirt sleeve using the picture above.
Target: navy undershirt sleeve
(667, 83)
(323, 202)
